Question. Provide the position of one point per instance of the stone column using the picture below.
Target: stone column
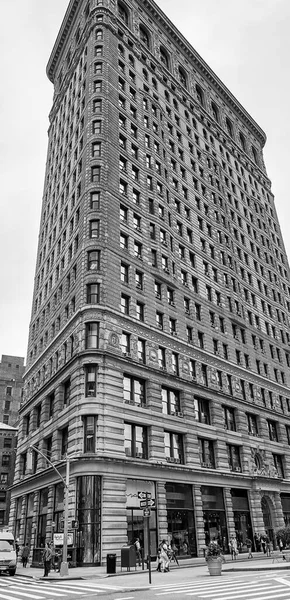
(162, 511)
(114, 516)
(229, 512)
(199, 520)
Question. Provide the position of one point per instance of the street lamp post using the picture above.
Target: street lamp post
(64, 563)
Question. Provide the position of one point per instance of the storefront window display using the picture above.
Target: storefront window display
(136, 523)
(242, 517)
(180, 518)
(42, 516)
(285, 501)
(89, 518)
(214, 515)
(58, 506)
(18, 517)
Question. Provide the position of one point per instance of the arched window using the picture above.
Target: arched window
(99, 34)
(242, 141)
(255, 155)
(182, 77)
(199, 94)
(215, 111)
(123, 13)
(164, 58)
(144, 36)
(229, 126)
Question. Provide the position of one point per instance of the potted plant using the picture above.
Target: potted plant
(214, 558)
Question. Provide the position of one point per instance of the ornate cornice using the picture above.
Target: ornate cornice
(159, 16)
(69, 16)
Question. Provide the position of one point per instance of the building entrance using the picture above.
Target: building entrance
(267, 517)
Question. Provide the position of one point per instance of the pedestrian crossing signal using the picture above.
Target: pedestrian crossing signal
(75, 524)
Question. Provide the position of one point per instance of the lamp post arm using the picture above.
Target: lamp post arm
(49, 462)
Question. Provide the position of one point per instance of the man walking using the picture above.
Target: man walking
(47, 555)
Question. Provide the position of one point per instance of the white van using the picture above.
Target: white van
(7, 553)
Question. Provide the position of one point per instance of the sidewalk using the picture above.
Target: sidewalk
(258, 563)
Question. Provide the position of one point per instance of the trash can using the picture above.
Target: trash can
(111, 563)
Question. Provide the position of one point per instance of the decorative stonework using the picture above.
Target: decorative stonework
(259, 464)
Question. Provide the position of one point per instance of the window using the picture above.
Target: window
(173, 446)
(96, 149)
(92, 335)
(134, 390)
(95, 200)
(124, 273)
(93, 293)
(124, 241)
(94, 228)
(8, 442)
(141, 350)
(97, 127)
(144, 37)
(91, 381)
(229, 418)
(94, 260)
(125, 303)
(272, 428)
(2, 499)
(123, 14)
(8, 390)
(206, 453)
(5, 460)
(201, 409)
(66, 392)
(89, 423)
(140, 311)
(135, 442)
(4, 478)
(278, 462)
(234, 457)
(252, 425)
(175, 363)
(162, 357)
(170, 402)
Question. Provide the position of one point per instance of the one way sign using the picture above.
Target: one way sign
(147, 503)
(144, 495)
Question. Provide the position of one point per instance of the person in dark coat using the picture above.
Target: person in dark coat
(46, 557)
(25, 555)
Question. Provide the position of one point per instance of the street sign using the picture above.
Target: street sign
(58, 539)
(144, 495)
(147, 503)
(146, 512)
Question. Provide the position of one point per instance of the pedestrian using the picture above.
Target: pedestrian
(263, 543)
(163, 557)
(249, 546)
(25, 555)
(257, 542)
(233, 547)
(138, 551)
(281, 545)
(57, 561)
(174, 551)
(268, 545)
(46, 557)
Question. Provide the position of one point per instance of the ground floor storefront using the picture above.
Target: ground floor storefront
(110, 511)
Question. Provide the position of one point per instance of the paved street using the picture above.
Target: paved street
(22, 588)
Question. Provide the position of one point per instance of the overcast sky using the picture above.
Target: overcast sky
(246, 42)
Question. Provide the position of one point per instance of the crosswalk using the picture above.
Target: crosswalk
(23, 588)
(228, 588)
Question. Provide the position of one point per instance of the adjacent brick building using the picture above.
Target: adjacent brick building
(158, 354)
(11, 387)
